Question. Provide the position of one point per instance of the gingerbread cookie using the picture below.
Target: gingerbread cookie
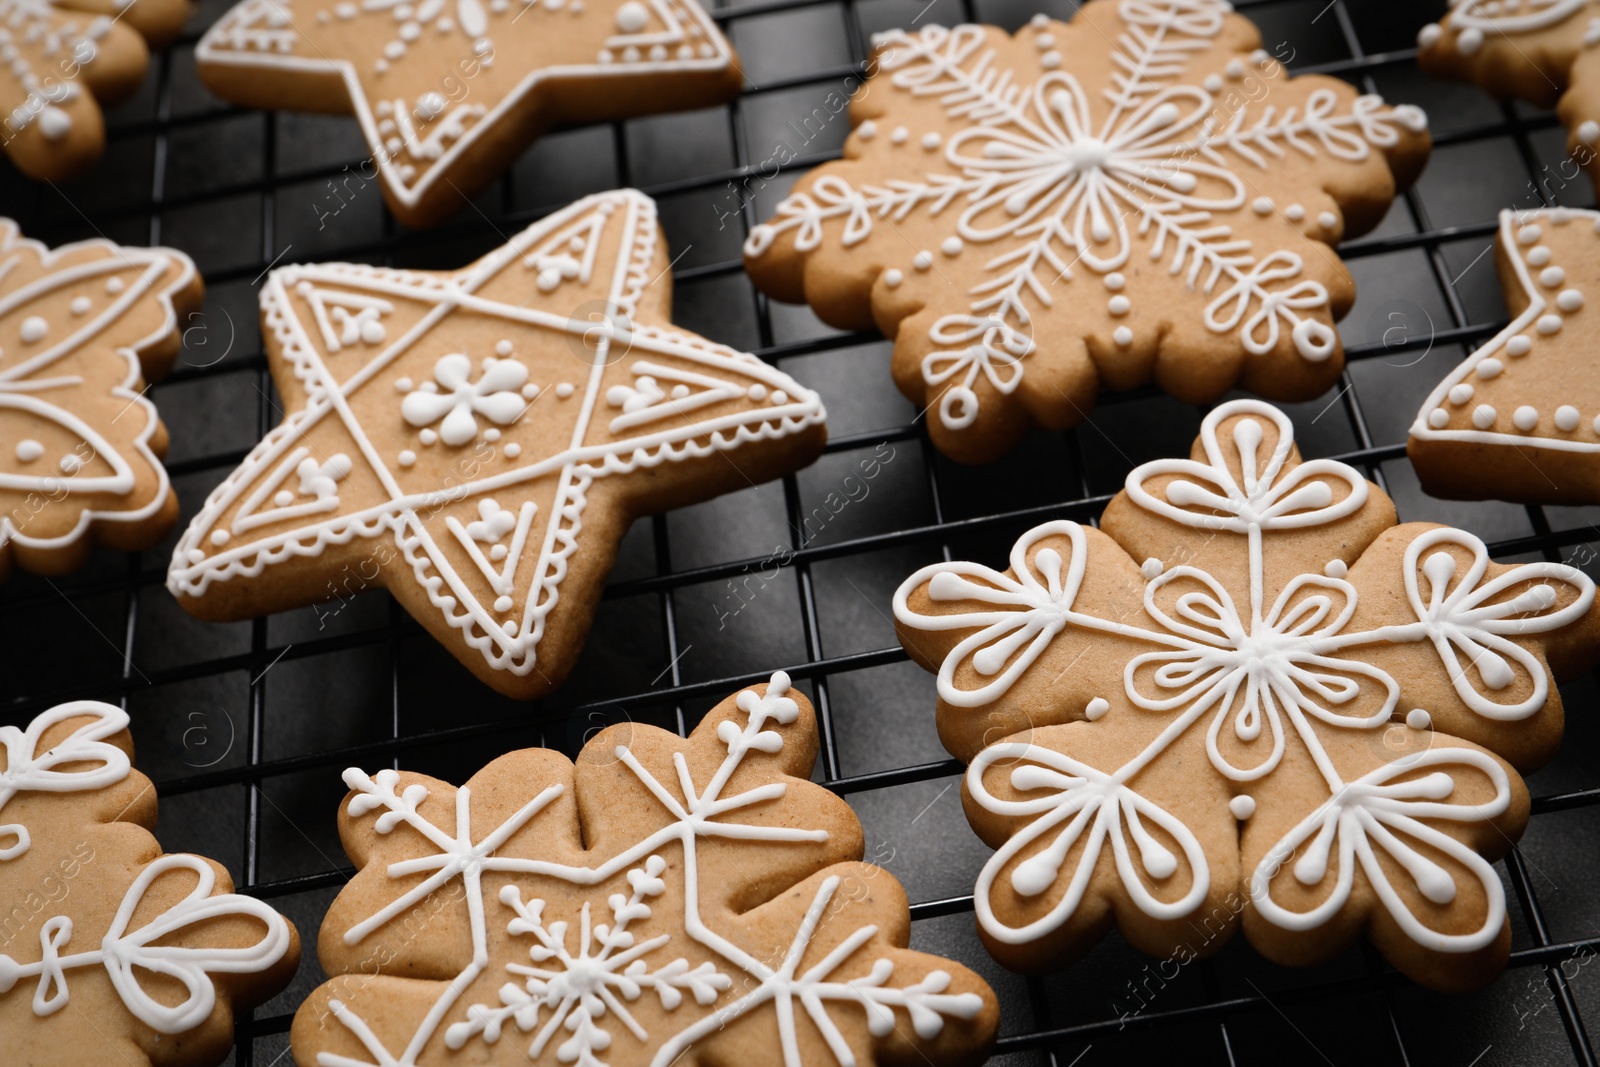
(81, 328)
(1140, 195)
(66, 60)
(110, 950)
(1541, 51)
(478, 441)
(449, 94)
(1250, 699)
(663, 901)
(1520, 418)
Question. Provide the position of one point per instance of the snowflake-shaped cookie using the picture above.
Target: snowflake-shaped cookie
(64, 61)
(1542, 51)
(1250, 697)
(81, 327)
(477, 441)
(154, 950)
(449, 92)
(1140, 194)
(663, 901)
(1518, 420)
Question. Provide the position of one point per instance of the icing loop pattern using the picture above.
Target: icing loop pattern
(597, 965)
(1268, 666)
(1056, 175)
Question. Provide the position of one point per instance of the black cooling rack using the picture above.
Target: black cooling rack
(245, 727)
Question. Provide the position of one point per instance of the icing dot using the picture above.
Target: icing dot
(80, 305)
(114, 284)
(564, 390)
(1525, 418)
(867, 130)
(757, 392)
(951, 247)
(1596, 424)
(70, 464)
(1549, 324)
(1039, 21)
(1483, 416)
(491, 434)
(1438, 418)
(1490, 368)
(1336, 568)
(1118, 305)
(407, 457)
(632, 17)
(513, 450)
(29, 450)
(892, 279)
(283, 498)
(502, 604)
(1418, 719)
(923, 260)
(428, 437)
(1212, 83)
(34, 328)
(1261, 205)
(1519, 345)
(930, 141)
(1115, 281)
(1551, 277)
(403, 385)
(1242, 806)
(1589, 132)
(899, 135)
(1460, 394)
(1294, 212)
(780, 397)
(1569, 300)
(1097, 708)
(1050, 60)
(1529, 235)
(1566, 418)
(1044, 40)
(1327, 220)
(502, 347)
(530, 391)
(1122, 336)
(1151, 568)
(1539, 256)
(218, 538)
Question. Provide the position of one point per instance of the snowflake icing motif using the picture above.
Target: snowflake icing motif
(1233, 659)
(1165, 155)
(588, 965)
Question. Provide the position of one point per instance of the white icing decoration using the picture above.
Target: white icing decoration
(1418, 719)
(377, 51)
(126, 954)
(1061, 177)
(892, 278)
(1242, 806)
(582, 439)
(41, 384)
(1535, 336)
(567, 997)
(1096, 709)
(80, 305)
(1260, 663)
(1438, 418)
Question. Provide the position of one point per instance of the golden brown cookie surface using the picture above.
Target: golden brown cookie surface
(1250, 699)
(448, 94)
(478, 441)
(1519, 419)
(664, 900)
(110, 950)
(81, 329)
(1141, 194)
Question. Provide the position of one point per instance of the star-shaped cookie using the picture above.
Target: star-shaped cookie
(662, 901)
(1541, 51)
(1142, 194)
(478, 441)
(1519, 419)
(81, 328)
(448, 92)
(110, 950)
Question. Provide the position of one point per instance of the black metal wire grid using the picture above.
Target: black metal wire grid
(245, 727)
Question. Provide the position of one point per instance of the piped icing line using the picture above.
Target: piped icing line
(1554, 300)
(27, 385)
(585, 976)
(1268, 665)
(124, 951)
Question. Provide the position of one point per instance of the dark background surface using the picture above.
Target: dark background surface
(244, 727)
